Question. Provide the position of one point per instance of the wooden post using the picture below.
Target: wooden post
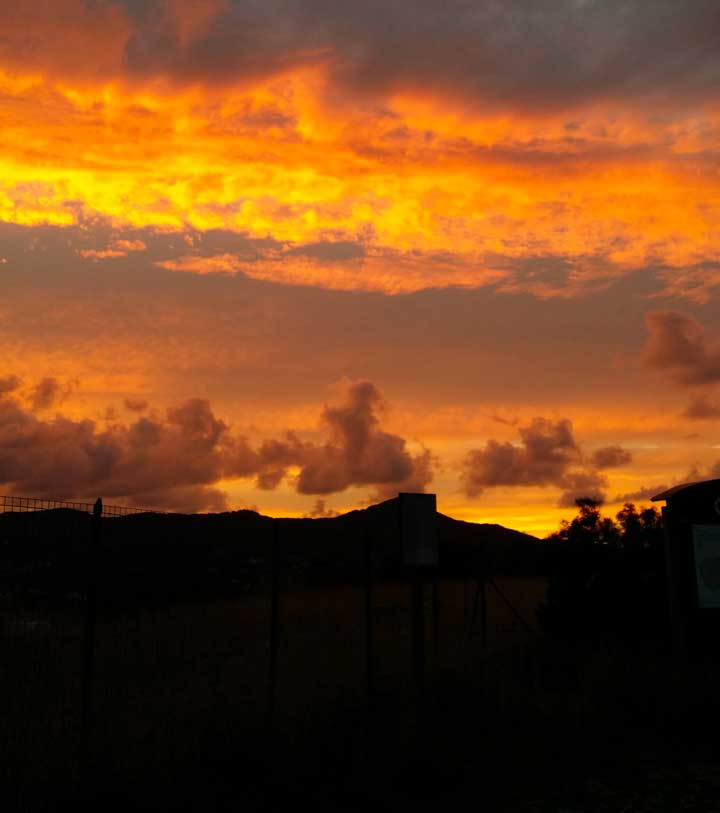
(274, 623)
(90, 619)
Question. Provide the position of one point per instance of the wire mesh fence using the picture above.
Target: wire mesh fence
(15, 504)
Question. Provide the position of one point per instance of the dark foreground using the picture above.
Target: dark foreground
(180, 715)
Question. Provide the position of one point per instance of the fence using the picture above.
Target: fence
(146, 639)
(24, 505)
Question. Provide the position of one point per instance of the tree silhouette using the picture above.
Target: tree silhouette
(588, 528)
(605, 574)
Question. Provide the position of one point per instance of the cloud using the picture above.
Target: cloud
(47, 393)
(641, 494)
(69, 38)
(173, 460)
(9, 384)
(579, 484)
(610, 457)
(338, 251)
(118, 248)
(135, 404)
(423, 472)
(357, 452)
(701, 408)
(678, 345)
(319, 511)
(546, 452)
(485, 51)
(548, 455)
(386, 270)
(366, 136)
(161, 462)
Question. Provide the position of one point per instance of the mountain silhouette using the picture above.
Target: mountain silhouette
(155, 553)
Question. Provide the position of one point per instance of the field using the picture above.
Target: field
(180, 709)
(168, 678)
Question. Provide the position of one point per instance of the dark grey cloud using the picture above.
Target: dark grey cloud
(610, 457)
(677, 345)
(527, 53)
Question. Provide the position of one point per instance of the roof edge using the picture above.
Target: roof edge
(671, 492)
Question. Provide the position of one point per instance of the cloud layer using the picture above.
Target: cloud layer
(393, 147)
(498, 53)
(174, 461)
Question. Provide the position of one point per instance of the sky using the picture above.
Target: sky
(300, 255)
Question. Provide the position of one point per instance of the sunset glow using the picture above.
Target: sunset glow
(378, 254)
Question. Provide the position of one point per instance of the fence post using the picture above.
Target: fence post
(436, 620)
(418, 631)
(90, 623)
(369, 643)
(481, 600)
(274, 623)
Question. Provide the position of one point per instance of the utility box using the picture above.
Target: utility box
(692, 558)
(418, 529)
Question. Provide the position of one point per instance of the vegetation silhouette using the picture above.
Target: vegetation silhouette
(606, 575)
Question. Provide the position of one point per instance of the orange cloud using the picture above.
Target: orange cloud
(118, 248)
(438, 194)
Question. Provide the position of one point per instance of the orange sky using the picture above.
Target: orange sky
(475, 210)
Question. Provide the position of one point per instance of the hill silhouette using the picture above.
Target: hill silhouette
(167, 554)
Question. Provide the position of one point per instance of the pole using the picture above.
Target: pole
(481, 601)
(369, 632)
(90, 617)
(677, 638)
(274, 623)
(418, 631)
(483, 613)
(436, 618)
